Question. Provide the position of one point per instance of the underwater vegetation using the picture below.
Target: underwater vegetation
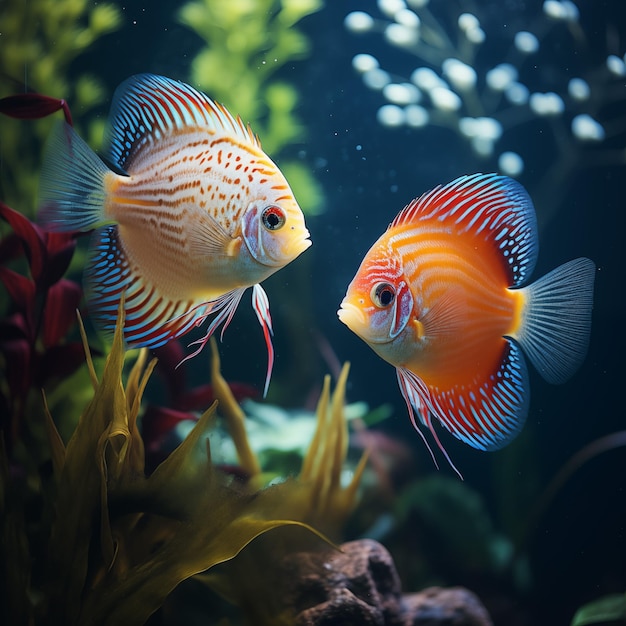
(245, 46)
(495, 99)
(609, 610)
(87, 535)
(110, 542)
(40, 41)
(527, 564)
(34, 344)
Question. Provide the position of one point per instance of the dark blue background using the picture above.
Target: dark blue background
(368, 173)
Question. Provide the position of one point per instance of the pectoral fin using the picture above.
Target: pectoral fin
(209, 237)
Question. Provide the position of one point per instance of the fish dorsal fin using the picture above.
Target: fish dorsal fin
(493, 209)
(146, 107)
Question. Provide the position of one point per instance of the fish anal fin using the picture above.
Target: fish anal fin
(151, 318)
(487, 410)
(487, 413)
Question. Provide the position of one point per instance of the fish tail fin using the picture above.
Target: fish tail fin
(71, 191)
(557, 319)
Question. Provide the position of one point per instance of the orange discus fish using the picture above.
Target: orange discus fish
(193, 214)
(440, 296)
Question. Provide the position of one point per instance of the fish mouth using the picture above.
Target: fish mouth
(352, 316)
(297, 247)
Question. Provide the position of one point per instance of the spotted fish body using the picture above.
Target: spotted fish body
(443, 295)
(192, 215)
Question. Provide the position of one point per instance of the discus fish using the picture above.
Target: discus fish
(443, 296)
(191, 214)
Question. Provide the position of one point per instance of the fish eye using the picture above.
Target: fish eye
(383, 294)
(273, 217)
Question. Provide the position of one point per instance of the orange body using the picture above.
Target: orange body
(442, 296)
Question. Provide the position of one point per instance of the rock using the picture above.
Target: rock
(359, 586)
(437, 606)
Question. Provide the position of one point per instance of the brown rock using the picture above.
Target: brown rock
(437, 606)
(359, 586)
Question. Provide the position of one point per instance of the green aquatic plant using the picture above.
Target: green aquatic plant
(320, 498)
(113, 542)
(315, 497)
(39, 41)
(462, 538)
(608, 610)
(246, 44)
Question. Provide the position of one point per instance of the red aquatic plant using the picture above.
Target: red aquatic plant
(39, 316)
(43, 303)
(184, 401)
(31, 106)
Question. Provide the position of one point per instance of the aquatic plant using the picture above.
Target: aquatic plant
(113, 542)
(153, 531)
(495, 87)
(39, 42)
(608, 610)
(35, 349)
(455, 519)
(317, 496)
(246, 44)
(325, 502)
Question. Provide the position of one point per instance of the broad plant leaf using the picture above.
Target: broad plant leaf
(121, 541)
(611, 608)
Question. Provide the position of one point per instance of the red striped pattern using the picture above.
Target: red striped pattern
(177, 250)
(460, 248)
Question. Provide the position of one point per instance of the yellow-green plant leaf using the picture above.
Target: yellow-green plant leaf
(81, 492)
(186, 521)
(253, 580)
(294, 10)
(121, 541)
(611, 608)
